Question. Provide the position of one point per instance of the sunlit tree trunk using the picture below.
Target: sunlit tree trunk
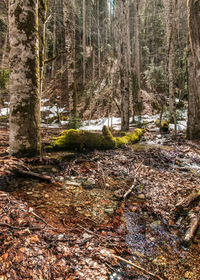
(54, 40)
(99, 40)
(193, 126)
(170, 8)
(42, 30)
(84, 42)
(124, 73)
(65, 98)
(24, 77)
(136, 97)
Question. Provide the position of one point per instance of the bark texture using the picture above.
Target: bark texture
(124, 69)
(193, 126)
(24, 77)
(137, 101)
(170, 7)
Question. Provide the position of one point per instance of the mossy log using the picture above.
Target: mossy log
(73, 139)
(164, 125)
(129, 138)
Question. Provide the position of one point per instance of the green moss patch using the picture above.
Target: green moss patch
(73, 139)
(164, 125)
(129, 138)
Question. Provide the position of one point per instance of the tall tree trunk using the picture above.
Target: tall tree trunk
(124, 73)
(137, 42)
(54, 40)
(42, 31)
(75, 96)
(24, 77)
(99, 40)
(193, 125)
(65, 98)
(170, 6)
(136, 75)
(84, 42)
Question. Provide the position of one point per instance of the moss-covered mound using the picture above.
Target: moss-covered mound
(73, 139)
(129, 138)
(164, 125)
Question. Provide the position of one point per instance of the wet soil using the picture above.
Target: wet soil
(87, 193)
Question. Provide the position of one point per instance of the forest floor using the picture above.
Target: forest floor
(130, 213)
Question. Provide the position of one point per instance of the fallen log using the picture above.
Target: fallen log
(34, 175)
(79, 140)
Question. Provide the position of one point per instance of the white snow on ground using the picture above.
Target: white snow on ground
(4, 111)
(98, 124)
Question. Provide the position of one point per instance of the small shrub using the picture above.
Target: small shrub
(73, 122)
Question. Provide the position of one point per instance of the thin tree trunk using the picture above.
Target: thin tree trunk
(54, 40)
(136, 75)
(193, 125)
(99, 40)
(170, 7)
(42, 32)
(124, 77)
(84, 42)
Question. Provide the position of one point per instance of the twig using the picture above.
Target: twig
(34, 214)
(20, 228)
(12, 227)
(133, 185)
(137, 266)
(91, 232)
(35, 175)
(103, 175)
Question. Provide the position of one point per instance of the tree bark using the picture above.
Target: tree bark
(124, 73)
(136, 75)
(170, 6)
(98, 40)
(24, 78)
(54, 40)
(84, 42)
(193, 125)
(42, 32)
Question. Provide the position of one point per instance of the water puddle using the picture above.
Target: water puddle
(70, 201)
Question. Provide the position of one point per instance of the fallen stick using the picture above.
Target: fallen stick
(192, 229)
(35, 175)
(137, 266)
(189, 199)
(134, 181)
(41, 219)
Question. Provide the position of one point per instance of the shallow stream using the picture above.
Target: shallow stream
(86, 201)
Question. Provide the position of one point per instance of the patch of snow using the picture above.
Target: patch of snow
(99, 123)
(4, 111)
(43, 100)
(181, 126)
(53, 109)
(149, 118)
(53, 125)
